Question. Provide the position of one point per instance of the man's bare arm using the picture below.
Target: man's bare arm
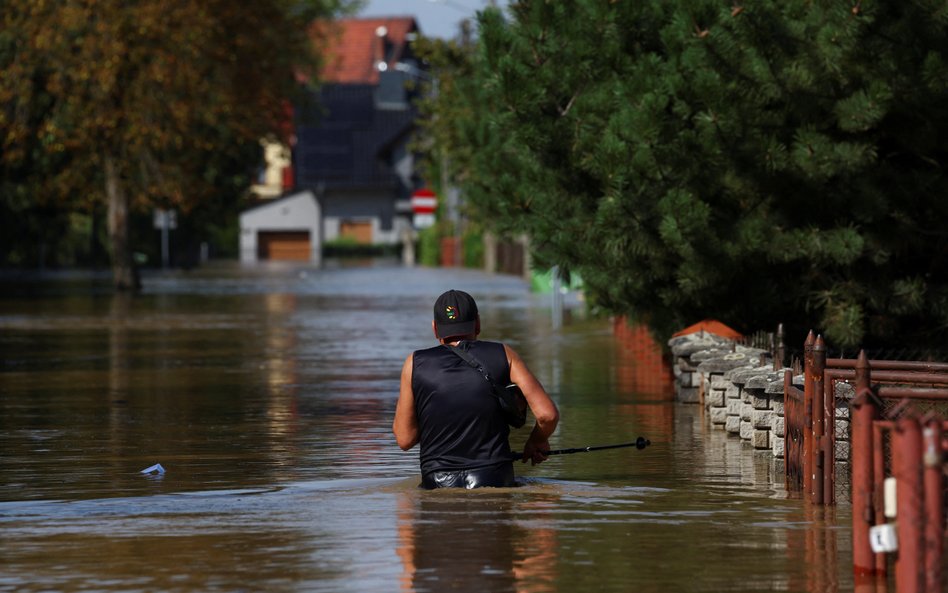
(405, 425)
(544, 410)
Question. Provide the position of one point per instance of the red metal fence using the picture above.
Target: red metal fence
(891, 402)
(809, 425)
(795, 427)
(897, 433)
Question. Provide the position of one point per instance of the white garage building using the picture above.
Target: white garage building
(288, 228)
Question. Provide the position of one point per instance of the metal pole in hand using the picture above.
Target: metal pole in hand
(639, 443)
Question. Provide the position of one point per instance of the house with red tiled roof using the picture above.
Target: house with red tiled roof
(354, 156)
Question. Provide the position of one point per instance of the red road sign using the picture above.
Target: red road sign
(423, 201)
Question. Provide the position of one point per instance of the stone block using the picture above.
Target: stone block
(752, 353)
(715, 398)
(777, 445)
(718, 416)
(746, 430)
(699, 380)
(733, 424)
(777, 426)
(842, 429)
(722, 362)
(687, 380)
(844, 391)
(775, 387)
(734, 407)
(746, 411)
(688, 395)
(740, 374)
(732, 391)
(686, 366)
(842, 409)
(761, 380)
(842, 450)
(704, 355)
(776, 404)
(691, 343)
(760, 401)
(699, 353)
(718, 381)
(762, 419)
(760, 439)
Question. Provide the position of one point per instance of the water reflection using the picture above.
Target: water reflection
(116, 396)
(491, 540)
(820, 549)
(442, 543)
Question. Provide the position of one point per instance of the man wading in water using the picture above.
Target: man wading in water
(447, 405)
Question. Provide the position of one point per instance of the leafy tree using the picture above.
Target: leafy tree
(150, 103)
(757, 163)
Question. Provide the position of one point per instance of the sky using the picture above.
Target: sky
(436, 18)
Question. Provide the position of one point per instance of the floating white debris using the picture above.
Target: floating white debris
(156, 470)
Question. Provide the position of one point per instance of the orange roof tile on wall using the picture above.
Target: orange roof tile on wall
(711, 326)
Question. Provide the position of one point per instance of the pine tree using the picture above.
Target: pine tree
(760, 163)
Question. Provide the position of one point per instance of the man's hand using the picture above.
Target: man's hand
(533, 450)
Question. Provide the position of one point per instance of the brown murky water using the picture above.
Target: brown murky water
(267, 394)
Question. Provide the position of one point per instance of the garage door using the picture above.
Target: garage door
(359, 230)
(283, 245)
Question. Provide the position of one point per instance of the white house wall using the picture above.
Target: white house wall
(296, 212)
(359, 206)
(332, 225)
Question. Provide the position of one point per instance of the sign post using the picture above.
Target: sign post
(423, 205)
(164, 221)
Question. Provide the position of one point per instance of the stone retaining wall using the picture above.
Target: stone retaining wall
(741, 395)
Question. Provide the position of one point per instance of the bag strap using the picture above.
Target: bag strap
(513, 412)
(469, 359)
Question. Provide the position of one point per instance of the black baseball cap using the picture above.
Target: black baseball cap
(455, 314)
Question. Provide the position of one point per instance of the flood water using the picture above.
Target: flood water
(267, 394)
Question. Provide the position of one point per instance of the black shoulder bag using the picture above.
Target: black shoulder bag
(512, 402)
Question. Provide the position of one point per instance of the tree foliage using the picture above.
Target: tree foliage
(755, 162)
(145, 103)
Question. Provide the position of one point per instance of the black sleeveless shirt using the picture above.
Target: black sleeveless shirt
(459, 419)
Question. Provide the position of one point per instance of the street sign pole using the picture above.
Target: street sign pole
(165, 220)
(424, 202)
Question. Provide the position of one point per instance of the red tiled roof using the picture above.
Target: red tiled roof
(355, 47)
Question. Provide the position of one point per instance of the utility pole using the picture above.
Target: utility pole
(450, 194)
